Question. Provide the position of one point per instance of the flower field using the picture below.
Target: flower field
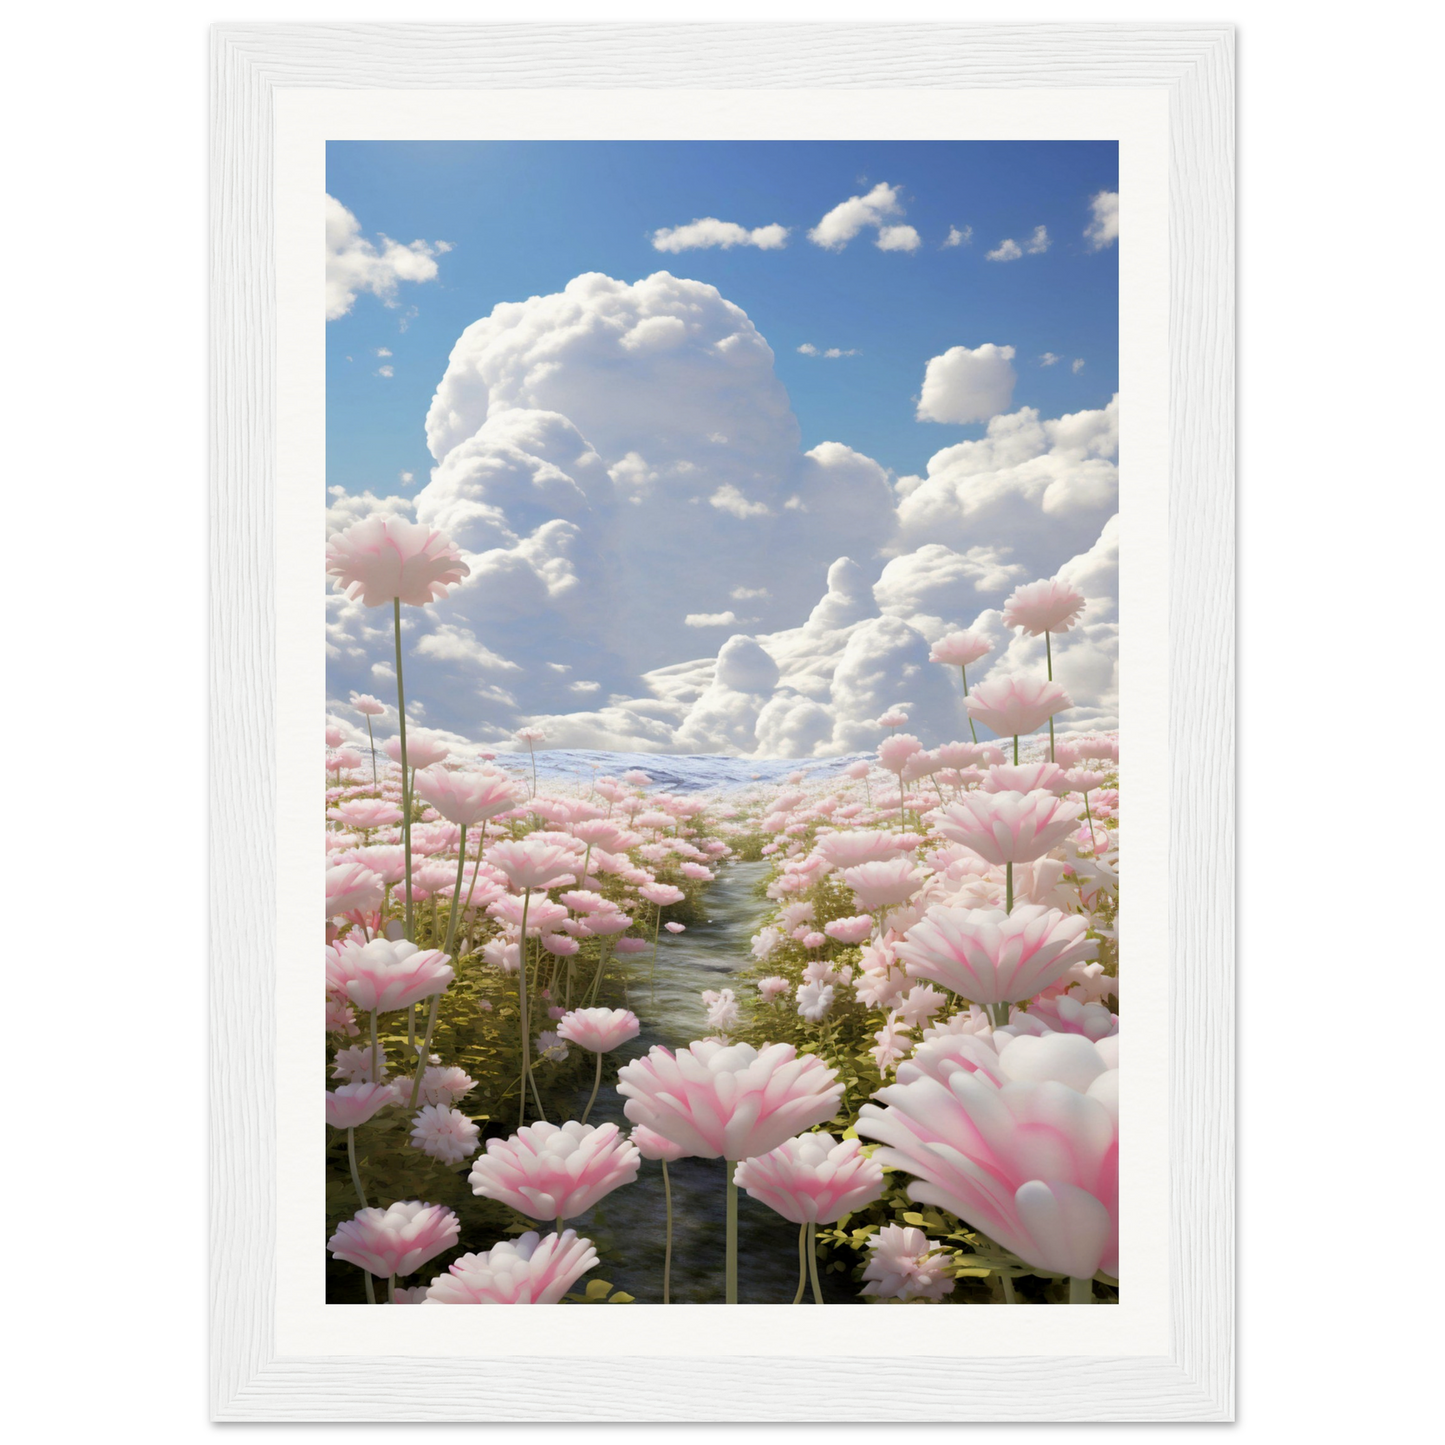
(902, 1089)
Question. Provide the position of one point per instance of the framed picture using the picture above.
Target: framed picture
(762, 478)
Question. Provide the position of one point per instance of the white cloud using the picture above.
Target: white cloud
(898, 238)
(709, 619)
(747, 594)
(728, 499)
(966, 386)
(383, 351)
(849, 217)
(1007, 251)
(1077, 366)
(808, 349)
(1103, 230)
(1038, 243)
(355, 264)
(709, 231)
(450, 643)
(831, 354)
(958, 236)
(387, 371)
(406, 478)
(1050, 358)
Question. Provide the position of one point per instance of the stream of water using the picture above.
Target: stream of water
(628, 1226)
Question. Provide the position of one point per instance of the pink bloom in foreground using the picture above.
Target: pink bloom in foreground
(550, 1171)
(1015, 705)
(652, 1145)
(881, 885)
(903, 1265)
(465, 798)
(380, 558)
(1033, 1165)
(528, 1270)
(850, 930)
(1026, 778)
(599, 1030)
(387, 975)
(660, 895)
(988, 956)
(959, 649)
(398, 1240)
(531, 864)
(354, 1104)
(813, 1179)
(353, 887)
(1048, 606)
(1008, 827)
(895, 751)
(366, 813)
(852, 850)
(423, 748)
(728, 1101)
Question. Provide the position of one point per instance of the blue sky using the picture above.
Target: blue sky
(523, 218)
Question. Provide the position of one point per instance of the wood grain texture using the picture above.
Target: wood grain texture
(249, 63)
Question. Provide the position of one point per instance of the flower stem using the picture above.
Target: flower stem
(1081, 1291)
(597, 1085)
(813, 1263)
(425, 1050)
(559, 1224)
(1008, 875)
(370, 1289)
(972, 731)
(802, 1262)
(391, 1289)
(375, 1052)
(1009, 1297)
(375, 785)
(1016, 750)
(730, 1275)
(667, 1244)
(457, 894)
(405, 788)
(652, 974)
(1049, 651)
(355, 1172)
(522, 1005)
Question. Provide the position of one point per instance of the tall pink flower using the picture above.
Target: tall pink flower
(398, 1240)
(550, 1171)
(850, 930)
(352, 887)
(1032, 1164)
(599, 1030)
(464, 798)
(894, 752)
(850, 850)
(366, 813)
(1026, 778)
(651, 1145)
(728, 1101)
(354, 1104)
(660, 895)
(367, 705)
(959, 649)
(528, 1270)
(530, 864)
(391, 974)
(988, 956)
(423, 748)
(1012, 706)
(1048, 606)
(380, 557)
(882, 885)
(812, 1179)
(1008, 827)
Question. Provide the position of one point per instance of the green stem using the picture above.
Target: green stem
(597, 1085)
(1016, 750)
(559, 1224)
(1049, 650)
(1081, 1291)
(1090, 817)
(375, 1052)
(457, 894)
(425, 1050)
(375, 785)
(730, 1274)
(522, 1005)
(1009, 1297)
(370, 1289)
(1008, 885)
(802, 1262)
(667, 1245)
(405, 789)
(652, 974)
(355, 1172)
(972, 731)
(391, 1289)
(531, 749)
(813, 1263)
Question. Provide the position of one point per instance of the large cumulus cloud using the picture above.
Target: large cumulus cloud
(657, 565)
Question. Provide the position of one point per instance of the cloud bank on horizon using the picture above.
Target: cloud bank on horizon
(658, 566)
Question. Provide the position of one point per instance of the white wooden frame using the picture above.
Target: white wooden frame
(1194, 63)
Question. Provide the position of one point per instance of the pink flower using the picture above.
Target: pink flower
(850, 930)
(380, 558)
(387, 975)
(661, 894)
(599, 1030)
(1033, 1165)
(1026, 778)
(1015, 705)
(354, 1104)
(882, 885)
(722, 1009)
(334, 736)
(959, 649)
(367, 705)
(728, 1101)
(465, 798)
(387, 861)
(675, 927)
(445, 1134)
(445, 1085)
(528, 1270)
(398, 1240)
(547, 1171)
(813, 1179)
(1038, 607)
(773, 987)
(366, 813)
(894, 752)
(904, 1264)
(988, 956)
(850, 850)
(632, 945)
(1008, 827)
(423, 748)
(857, 771)
(652, 1145)
(560, 945)
(530, 864)
(352, 887)
(893, 719)
(814, 999)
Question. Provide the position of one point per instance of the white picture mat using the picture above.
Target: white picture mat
(304, 121)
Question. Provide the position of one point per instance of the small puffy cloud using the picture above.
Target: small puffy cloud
(387, 371)
(584, 687)
(406, 478)
(1007, 251)
(1050, 358)
(747, 594)
(1038, 243)
(1103, 230)
(808, 349)
(832, 353)
(383, 351)
(346, 508)
(849, 217)
(898, 238)
(708, 232)
(450, 643)
(355, 264)
(966, 386)
(710, 619)
(1078, 365)
(958, 236)
(729, 499)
